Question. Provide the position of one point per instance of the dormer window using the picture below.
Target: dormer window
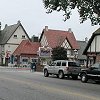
(23, 36)
(15, 36)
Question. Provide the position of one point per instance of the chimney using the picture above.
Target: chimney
(18, 21)
(46, 28)
(70, 30)
(34, 38)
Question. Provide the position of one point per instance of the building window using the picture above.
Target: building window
(23, 36)
(58, 63)
(24, 60)
(72, 52)
(15, 36)
(63, 63)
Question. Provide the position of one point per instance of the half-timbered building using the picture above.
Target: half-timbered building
(92, 50)
(53, 38)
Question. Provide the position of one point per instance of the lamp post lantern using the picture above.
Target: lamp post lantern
(75, 54)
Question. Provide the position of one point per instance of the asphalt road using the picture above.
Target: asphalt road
(18, 84)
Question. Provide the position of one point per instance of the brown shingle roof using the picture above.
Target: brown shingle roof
(57, 37)
(27, 47)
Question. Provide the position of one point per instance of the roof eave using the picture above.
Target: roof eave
(89, 42)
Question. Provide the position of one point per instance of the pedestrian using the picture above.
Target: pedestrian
(33, 66)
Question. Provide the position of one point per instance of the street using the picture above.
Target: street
(25, 85)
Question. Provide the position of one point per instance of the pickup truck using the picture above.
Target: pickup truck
(92, 72)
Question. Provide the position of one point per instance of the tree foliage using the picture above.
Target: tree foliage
(59, 53)
(86, 8)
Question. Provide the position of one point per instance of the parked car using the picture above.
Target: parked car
(62, 68)
(91, 73)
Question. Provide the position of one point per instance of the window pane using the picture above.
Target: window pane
(63, 63)
(15, 36)
(25, 60)
(73, 64)
(23, 36)
(58, 63)
(95, 65)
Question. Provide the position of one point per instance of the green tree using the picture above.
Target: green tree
(59, 53)
(86, 8)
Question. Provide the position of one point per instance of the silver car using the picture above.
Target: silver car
(62, 68)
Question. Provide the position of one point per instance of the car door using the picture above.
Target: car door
(93, 71)
(51, 68)
(57, 67)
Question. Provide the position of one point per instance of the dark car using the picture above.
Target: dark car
(91, 73)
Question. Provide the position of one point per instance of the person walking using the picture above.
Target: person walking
(33, 66)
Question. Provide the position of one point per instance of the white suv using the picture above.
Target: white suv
(62, 68)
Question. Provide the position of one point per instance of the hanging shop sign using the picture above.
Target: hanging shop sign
(45, 52)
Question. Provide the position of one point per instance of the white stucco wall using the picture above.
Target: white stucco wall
(66, 45)
(98, 43)
(19, 32)
(10, 47)
(13, 43)
(44, 41)
(93, 45)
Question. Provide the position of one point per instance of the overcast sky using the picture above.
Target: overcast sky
(33, 17)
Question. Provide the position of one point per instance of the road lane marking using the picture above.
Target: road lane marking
(49, 89)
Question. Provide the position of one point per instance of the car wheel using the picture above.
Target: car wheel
(46, 74)
(74, 77)
(61, 74)
(84, 78)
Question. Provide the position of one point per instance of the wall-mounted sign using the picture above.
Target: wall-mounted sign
(45, 52)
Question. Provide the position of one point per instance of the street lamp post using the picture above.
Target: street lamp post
(75, 54)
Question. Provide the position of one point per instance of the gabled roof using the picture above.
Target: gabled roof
(27, 47)
(57, 37)
(82, 45)
(8, 31)
(97, 32)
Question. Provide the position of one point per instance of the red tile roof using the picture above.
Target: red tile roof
(27, 47)
(57, 37)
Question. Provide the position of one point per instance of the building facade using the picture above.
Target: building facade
(92, 50)
(10, 37)
(82, 58)
(53, 38)
(26, 53)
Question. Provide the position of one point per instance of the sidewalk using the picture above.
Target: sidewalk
(8, 67)
(20, 69)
